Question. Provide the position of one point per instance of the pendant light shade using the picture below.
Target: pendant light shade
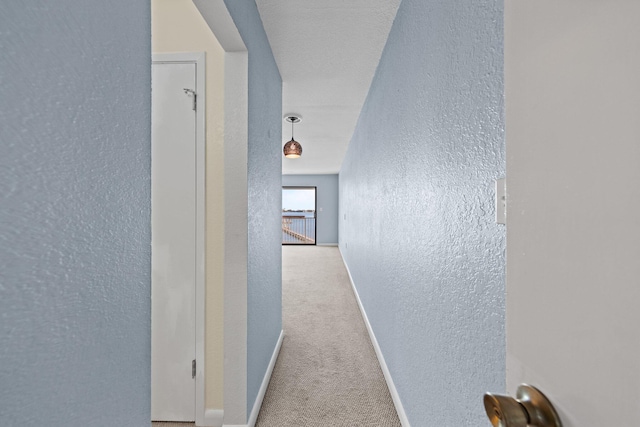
(292, 149)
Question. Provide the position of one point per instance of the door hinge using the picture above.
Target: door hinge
(195, 97)
(193, 368)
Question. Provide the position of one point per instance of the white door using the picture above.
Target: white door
(173, 195)
(572, 86)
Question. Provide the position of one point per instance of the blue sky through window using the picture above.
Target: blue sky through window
(298, 199)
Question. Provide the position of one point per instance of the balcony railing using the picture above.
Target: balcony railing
(298, 230)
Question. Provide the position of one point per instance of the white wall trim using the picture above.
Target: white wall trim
(201, 91)
(263, 387)
(236, 236)
(199, 59)
(217, 16)
(383, 365)
(212, 417)
(265, 383)
(326, 244)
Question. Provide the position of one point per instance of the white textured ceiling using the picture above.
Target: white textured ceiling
(327, 52)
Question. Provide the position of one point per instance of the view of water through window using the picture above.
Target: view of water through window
(299, 215)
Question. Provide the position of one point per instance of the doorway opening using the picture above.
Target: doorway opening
(299, 215)
(218, 374)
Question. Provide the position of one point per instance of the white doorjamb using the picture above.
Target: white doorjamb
(236, 138)
(197, 58)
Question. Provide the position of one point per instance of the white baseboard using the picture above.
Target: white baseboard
(213, 417)
(326, 244)
(265, 383)
(383, 365)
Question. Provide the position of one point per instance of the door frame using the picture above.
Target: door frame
(236, 135)
(197, 58)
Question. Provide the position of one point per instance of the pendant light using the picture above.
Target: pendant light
(292, 149)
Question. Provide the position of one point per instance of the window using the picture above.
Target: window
(298, 215)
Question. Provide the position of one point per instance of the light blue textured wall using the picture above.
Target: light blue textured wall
(417, 189)
(75, 213)
(327, 200)
(264, 305)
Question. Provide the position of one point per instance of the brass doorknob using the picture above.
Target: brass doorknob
(529, 408)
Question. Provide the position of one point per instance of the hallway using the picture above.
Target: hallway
(327, 372)
(476, 118)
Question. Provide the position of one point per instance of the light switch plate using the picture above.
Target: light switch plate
(501, 201)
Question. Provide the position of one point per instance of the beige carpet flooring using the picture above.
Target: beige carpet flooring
(327, 373)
